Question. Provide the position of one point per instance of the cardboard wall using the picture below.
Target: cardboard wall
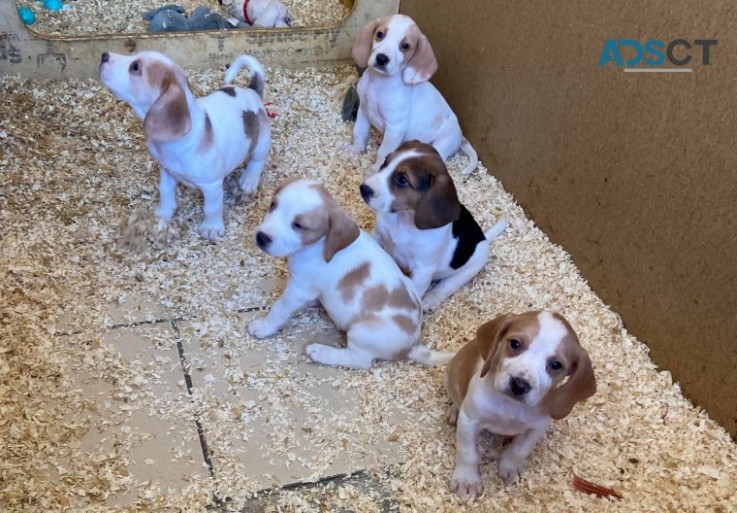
(635, 174)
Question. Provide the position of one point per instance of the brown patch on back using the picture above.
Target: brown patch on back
(349, 284)
(401, 298)
(375, 298)
(229, 90)
(406, 324)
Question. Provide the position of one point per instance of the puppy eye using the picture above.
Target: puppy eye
(272, 206)
(555, 365)
(404, 47)
(402, 181)
(297, 226)
(515, 344)
(379, 35)
(135, 68)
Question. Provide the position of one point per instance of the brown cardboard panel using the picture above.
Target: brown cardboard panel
(635, 174)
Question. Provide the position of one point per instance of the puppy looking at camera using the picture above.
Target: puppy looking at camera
(358, 284)
(423, 225)
(395, 96)
(511, 381)
(197, 141)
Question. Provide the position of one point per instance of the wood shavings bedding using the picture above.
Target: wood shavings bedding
(82, 17)
(78, 183)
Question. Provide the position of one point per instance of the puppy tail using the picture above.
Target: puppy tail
(258, 76)
(496, 230)
(425, 356)
(472, 155)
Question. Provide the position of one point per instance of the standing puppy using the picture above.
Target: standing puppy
(421, 223)
(395, 95)
(197, 141)
(508, 381)
(358, 284)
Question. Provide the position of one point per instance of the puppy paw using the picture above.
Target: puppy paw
(466, 483)
(353, 150)
(511, 468)
(248, 183)
(211, 232)
(430, 303)
(165, 213)
(261, 328)
(318, 353)
(452, 415)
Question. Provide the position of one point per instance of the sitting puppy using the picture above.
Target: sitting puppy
(259, 13)
(508, 381)
(395, 95)
(421, 223)
(360, 286)
(197, 141)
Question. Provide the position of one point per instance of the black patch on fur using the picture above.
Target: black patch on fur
(469, 234)
(229, 90)
(257, 84)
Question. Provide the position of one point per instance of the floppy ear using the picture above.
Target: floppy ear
(423, 65)
(363, 41)
(168, 118)
(580, 385)
(342, 231)
(439, 205)
(488, 337)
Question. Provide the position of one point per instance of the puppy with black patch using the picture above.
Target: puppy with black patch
(423, 225)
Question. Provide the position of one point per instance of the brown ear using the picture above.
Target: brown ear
(342, 231)
(488, 337)
(363, 41)
(580, 385)
(422, 66)
(168, 118)
(439, 205)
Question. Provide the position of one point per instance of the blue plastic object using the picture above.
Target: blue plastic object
(53, 5)
(27, 16)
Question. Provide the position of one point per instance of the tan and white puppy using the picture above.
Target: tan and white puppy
(394, 93)
(511, 380)
(358, 284)
(423, 225)
(259, 13)
(197, 141)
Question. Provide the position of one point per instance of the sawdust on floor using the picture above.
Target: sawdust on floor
(79, 190)
(82, 17)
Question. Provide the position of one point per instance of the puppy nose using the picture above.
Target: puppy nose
(263, 240)
(105, 57)
(519, 386)
(366, 192)
(382, 59)
(220, 2)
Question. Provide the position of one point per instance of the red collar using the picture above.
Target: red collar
(245, 13)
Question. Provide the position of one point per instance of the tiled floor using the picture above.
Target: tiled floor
(165, 426)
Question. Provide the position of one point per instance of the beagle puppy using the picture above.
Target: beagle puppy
(358, 284)
(421, 223)
(197, 141)
(395, 96)
(259, 13)
(511, 380)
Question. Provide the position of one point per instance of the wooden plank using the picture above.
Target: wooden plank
(30, 54)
